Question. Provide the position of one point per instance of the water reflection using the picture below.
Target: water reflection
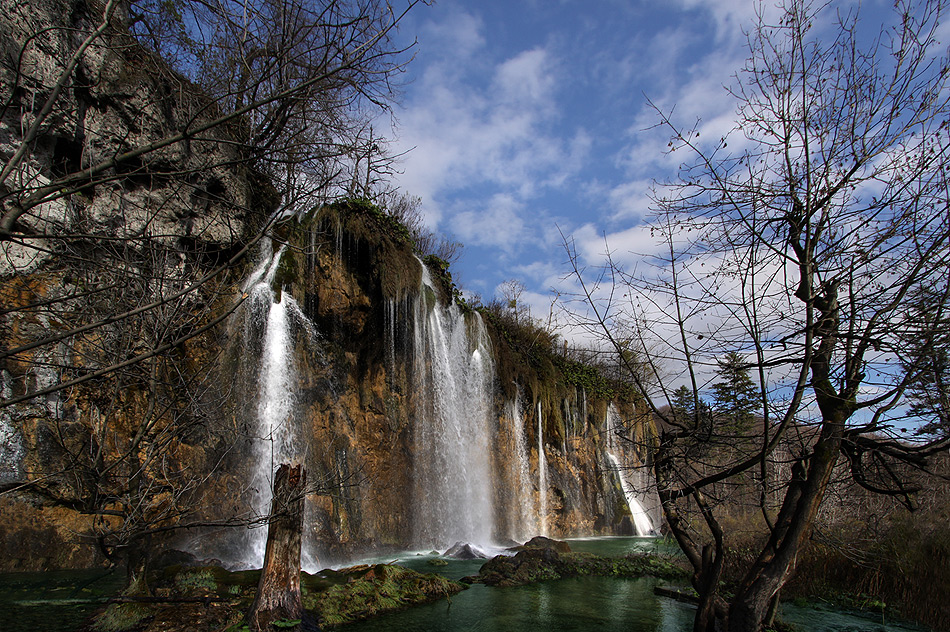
(580, 604)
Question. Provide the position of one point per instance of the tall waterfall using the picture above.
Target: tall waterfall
(641, 520)
(542, 479)
(521, 514)
(274, 440)
(453, 376)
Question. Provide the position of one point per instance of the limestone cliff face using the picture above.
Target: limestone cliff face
(361, 405)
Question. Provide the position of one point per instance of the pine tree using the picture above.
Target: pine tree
(928, 363)
(735, 396)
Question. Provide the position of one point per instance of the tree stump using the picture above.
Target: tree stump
(278, 592)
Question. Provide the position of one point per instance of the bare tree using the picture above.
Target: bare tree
(279, 108)
(407, 209)
(799, 250)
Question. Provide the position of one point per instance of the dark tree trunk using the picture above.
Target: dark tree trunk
(754, 600)
(707, 611)
(278, 593)
(136, 568)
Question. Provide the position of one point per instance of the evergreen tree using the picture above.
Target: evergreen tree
(928, 363)
(735, 396)
(683, 404)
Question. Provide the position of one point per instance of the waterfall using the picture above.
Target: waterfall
(453, 378)
(391, 336)
(542, 479)
(641, 520)
(275, 439)
(520, 514)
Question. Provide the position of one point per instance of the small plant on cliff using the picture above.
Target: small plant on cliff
(443, 276)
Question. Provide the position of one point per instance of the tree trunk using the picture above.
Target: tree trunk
(707, 587)
(278, 593)
(136, 568)
(755, 597)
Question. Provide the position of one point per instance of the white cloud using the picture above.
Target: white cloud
(499, 223)
(729, 16)
(494, 129)
(458, 36)
(525, 80)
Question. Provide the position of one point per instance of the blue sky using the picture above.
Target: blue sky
(522, 118)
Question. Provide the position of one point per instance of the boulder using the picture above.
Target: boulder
(465, 551)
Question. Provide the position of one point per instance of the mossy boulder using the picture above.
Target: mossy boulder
(366, 591)
(544, 561)
(541, 542)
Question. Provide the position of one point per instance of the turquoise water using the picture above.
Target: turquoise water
(585, 604)
(581, 604)
(589, 603)
(61, 601)
(819, 618)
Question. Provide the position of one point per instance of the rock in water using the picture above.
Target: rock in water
(541, 542)
(465, 551)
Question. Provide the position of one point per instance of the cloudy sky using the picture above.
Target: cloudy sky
(525, 118)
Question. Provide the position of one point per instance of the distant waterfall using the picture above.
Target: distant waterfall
(275, 439)
(641, 520)
(453, 375)
(542, 479)
(521, 514)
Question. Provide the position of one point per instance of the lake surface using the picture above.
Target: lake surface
(54, 601)
(586, 604)
(58, 601)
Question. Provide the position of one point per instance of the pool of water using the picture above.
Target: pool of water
(584, 604)
(54, 601)
(62, 601)
(821, 618)
(589, 603)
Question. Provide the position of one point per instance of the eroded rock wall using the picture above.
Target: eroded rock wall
(358, 282)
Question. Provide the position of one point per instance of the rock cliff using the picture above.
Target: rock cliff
(84, 262)
(368, 412)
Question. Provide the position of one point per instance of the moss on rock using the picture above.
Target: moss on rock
(548, 560)
(372, 590)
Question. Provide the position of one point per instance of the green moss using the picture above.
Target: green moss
(201, 580)
(586, 376)
(193, 579)
(533, 565)
(378, 246)
(287, 271)
(121, 617)
(369, 591)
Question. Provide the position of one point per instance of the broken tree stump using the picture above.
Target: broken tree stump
(278, 592)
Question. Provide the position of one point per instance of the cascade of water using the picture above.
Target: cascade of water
(275, 440)
(391, 336)
(453, 375)
(641, 520)
(542, 479)
(521, 517)
(583, 408)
